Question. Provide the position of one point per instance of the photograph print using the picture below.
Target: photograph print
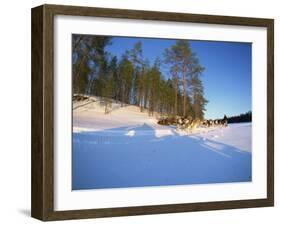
(160, 112)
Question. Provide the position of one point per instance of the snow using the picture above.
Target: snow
(127, 148)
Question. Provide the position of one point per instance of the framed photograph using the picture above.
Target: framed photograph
(141, 112)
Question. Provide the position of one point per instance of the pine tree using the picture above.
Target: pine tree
(116, 83)
(146, 83)
(183, 55)
(126, 70)
(184, 62)
(155, 78)
(199, 101)
(80, 68)
(136, 55)
(171, 58)
(89, 62)
(109, 86)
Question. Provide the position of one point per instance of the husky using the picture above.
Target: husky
(183, 122)
(220, 122)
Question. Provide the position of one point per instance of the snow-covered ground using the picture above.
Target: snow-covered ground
(127, 148)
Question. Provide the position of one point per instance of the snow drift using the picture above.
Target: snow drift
(127, 148)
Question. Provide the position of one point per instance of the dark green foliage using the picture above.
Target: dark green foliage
(126, 70)
(154, 80)
(246, 117)
(197, 92)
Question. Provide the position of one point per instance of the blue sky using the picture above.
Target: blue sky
(227, 77)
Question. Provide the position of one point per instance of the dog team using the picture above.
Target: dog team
(190, 123)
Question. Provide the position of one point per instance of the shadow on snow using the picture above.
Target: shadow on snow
(136, 157)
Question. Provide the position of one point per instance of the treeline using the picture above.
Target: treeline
(132, 79)
(246, 117)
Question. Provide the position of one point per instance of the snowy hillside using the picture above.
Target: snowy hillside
(127, 148)
(89, 116)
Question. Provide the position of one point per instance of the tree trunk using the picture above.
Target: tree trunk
(184, 82)
(176, 96)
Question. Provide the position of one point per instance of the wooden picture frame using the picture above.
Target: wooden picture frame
(42, 205)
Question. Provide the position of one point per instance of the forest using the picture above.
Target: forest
(132, 79)
(245, 117)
